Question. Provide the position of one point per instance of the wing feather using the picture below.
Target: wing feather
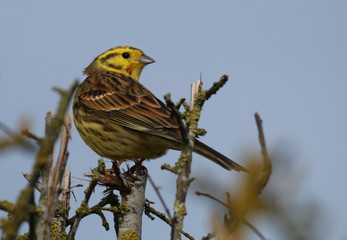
(127, 102)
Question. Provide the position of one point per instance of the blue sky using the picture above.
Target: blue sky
(286, 60)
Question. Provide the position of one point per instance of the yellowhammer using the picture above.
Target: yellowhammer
(121, 119)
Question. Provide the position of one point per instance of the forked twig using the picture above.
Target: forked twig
(183, 166)
(80, 213)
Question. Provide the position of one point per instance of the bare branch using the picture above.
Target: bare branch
(131, 221)
(184, 164)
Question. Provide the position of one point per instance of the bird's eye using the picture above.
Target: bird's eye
(125, 55)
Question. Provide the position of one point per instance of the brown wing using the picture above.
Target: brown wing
(128, 103)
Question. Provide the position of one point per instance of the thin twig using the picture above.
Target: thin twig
(28, 177)
(9, 132)
(156, 189)
(216, 86)
(209, 236)
(149, 209)
(254, 229)
(61, 161)
(211, 197)
(266, 159)
(15, 139)
(248, 224)
(179, 103)
(178, 117)
(31, 135)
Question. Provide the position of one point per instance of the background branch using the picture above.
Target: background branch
(25, 209)
(51, 180)
(254, 184)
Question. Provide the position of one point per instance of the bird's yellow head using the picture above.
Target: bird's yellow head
(124, 59)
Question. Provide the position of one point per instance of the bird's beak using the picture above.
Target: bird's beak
(145, 59)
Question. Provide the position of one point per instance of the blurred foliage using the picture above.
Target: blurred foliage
(13, 139)
(282, 209)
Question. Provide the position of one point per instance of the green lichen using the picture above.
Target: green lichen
(19, 213)
(56, 232)
(169, 168)
(129, 235)
(113, 209)
(25, 236)
(124, 208)
(180, 208)
(6, 205)
(83, 210)
(179, 165)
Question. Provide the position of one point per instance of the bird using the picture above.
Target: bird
(120, 119)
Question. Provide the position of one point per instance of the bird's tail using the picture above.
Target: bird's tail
(213, 155)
